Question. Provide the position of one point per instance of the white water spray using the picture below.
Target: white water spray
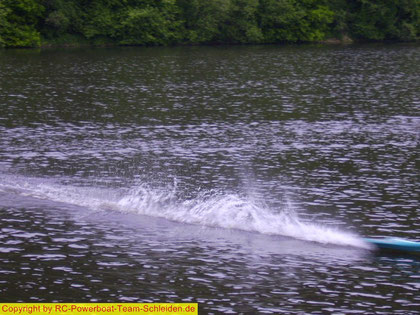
(230, 211)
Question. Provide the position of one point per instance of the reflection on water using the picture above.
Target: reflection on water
(236, 177)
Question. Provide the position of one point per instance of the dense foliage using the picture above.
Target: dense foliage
(29, 23)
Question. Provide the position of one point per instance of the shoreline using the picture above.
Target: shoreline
(327, 42)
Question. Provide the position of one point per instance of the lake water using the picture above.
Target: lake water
(241, 178)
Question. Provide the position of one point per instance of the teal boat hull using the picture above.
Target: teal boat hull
(395, 245)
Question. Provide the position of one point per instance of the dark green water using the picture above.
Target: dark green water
(241, 178)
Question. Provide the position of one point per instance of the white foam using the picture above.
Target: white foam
(230, 211)
(234, 212)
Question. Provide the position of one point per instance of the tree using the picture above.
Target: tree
(150, 23)
(241, 25)
(202, 19)
(385, 19)
(64, 17)
(19, 21)
(102, 19)
(293, 21)
(167, 22)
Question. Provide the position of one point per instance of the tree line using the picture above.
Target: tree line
(33, 23)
